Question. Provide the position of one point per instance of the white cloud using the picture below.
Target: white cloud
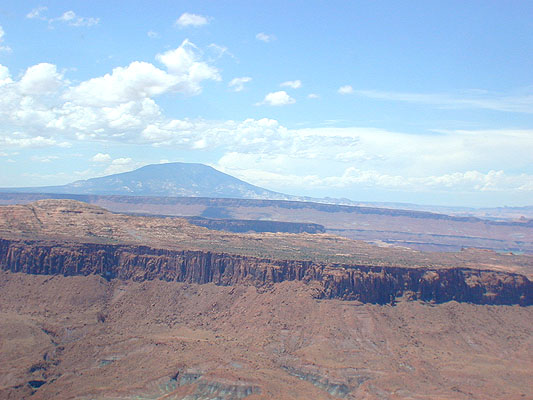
(347, 89)
(137, 81)
(142, 80)
(522, 103)
(44, 159)
(72, 19)
(119, 165)
(469, 181)
(3, 47)
(41, 79)
(280, 98)
(101, 158)
(184, 64)
(313, 96)
(69, 17)
(27, 142)
(36, 13)
(218, 51)
(153, 35)
(46, 109)
(5, 76)
(359, 158)
(237, 84)
(264, 37)
(187, 19)
(292, 84)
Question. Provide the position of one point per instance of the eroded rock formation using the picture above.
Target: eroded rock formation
(368, 284)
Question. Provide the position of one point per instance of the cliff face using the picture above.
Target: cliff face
(242, 226)
(369, 284)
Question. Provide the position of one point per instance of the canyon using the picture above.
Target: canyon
(102, 305)
(368, 284)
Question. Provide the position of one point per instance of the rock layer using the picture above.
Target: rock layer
(368, 284)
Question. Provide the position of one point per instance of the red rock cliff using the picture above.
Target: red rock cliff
(370, 284)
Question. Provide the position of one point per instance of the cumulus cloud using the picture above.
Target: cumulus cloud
(101, 158)
(142, 80)
(40, 79)
(45, 108)
(188, 19)
(280, 98)
(153, 35)
(135, 82)
(313, 96)
(264, 37)
(237, 84)
(2, 46)
(5, 76)
(347, 89)
(292, 84)
(183, 63)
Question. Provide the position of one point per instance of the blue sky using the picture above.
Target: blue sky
(427, 102)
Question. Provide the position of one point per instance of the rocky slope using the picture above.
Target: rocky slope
(83, 337)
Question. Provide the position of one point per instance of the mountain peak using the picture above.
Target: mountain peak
(176, 179)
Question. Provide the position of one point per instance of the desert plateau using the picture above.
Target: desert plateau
(97, 305)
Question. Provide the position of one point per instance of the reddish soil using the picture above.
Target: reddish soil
(414, 229)
(84, 337)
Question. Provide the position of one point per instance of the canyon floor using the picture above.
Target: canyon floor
(153, 337)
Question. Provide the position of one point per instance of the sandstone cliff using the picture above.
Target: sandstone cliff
(368, 284)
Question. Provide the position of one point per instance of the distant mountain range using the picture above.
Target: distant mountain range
(165, 180)
(199, 180)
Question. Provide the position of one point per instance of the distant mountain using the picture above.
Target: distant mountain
(199, 180)
(168, 180)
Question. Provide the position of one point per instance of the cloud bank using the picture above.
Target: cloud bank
(43, 108)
